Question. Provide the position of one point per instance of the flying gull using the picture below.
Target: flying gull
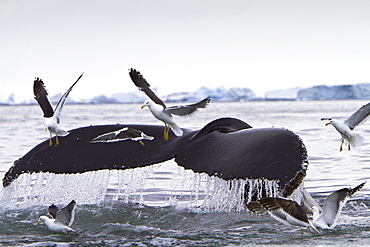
(51, 117)
(123, 134)
(291, 213)
(60, 220)
(160, 110)
(346, 127)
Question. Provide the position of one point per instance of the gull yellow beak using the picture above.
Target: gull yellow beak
(38, 222)
(142, 106)
(327, 124)
(309, 210)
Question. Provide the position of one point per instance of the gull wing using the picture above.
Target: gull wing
(332, 207)
(121, 135)
(359, 116)
(288, 206)
(184, 110)
(109, 136)
(130, 133)
(41, 94)
(67, 214)
(357, 188)
(53, 210)
(144, 86)
(334, 203)
(256, 208)
(59, 107)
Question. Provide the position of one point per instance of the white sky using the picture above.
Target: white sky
(181, 45)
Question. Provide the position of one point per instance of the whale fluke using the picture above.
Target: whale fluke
(227, 148)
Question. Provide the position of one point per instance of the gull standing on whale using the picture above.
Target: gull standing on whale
(51, 117)
(346, 127)
(291, 213)
(61, 219)
(160, 110)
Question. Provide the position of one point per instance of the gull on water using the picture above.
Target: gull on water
(61, 219)
(346, 127)
(51, 117)
(123, 134)
(160, 110)
(291, 213)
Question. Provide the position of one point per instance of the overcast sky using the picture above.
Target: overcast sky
(181, 45)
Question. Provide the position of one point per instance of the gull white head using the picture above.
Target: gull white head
(43, 219)
(147, 103)
(315, 212)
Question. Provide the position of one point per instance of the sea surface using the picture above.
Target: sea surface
(165, 205)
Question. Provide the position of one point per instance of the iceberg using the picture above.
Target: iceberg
(283, 94)
(219, 94)
(338, 92)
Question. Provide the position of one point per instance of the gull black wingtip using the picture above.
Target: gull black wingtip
(138, 79)
(76, 80)
(80, 76)
(357, 188)
(208, 99)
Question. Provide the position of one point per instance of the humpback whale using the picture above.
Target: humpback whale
(227, 148)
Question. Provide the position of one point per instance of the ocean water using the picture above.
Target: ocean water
(165, 205)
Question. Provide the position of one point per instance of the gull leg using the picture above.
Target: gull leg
(349, 147)
(50, 141)
(141, 142)
(165, 133)
(341, 146)
(56, 139)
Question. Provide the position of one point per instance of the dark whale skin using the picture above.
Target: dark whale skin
(227, 148)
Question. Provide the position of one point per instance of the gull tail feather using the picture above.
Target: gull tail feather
(356, 140)
(176, 129)
(313, 227)
(62, 133)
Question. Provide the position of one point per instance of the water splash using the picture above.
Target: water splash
(164, 184)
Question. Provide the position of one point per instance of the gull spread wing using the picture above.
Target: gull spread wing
(110, 135)
(334, 203)
(66, 215)
(144, 86)
(53, 210)
(288, 206)
(359, 116)
(121, 135)
(41, 94)
(184, 110)
(59, 107)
